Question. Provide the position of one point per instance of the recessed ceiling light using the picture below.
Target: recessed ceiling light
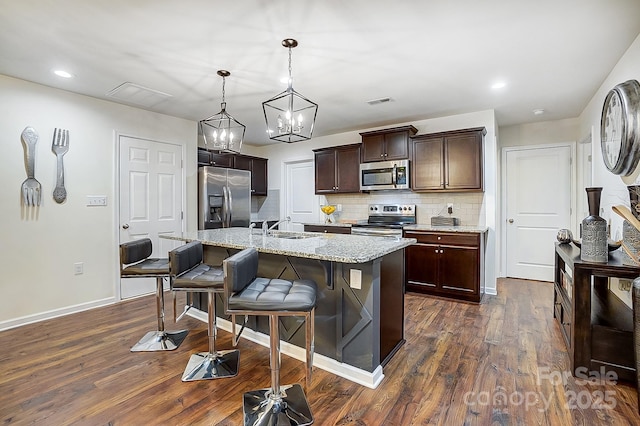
(499, 85)
(63, 73)
(538, 111)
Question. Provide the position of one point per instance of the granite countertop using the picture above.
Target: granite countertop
(459, 228)
(344, 248)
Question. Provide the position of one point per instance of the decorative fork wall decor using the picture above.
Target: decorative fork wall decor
(31, 188)
(60, 146)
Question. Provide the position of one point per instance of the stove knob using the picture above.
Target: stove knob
(409, 208)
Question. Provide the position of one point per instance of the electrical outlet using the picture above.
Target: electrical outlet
(339, 207)
(96, 200)
(355, 278)
(78, 268)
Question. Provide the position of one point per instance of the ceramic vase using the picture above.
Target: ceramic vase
(634, 200)
(594, 230)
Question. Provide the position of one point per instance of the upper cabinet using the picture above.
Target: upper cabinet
(387, 144)
(337, 169)
(214, 158)
(256, 165)
(258, 168)
(448, 161)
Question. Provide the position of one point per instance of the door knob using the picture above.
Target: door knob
(510, 220)
(125, 226)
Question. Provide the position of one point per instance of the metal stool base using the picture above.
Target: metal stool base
(261, 409)
(160, 341)
(205, 366)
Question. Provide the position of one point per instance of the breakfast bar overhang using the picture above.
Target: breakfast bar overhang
(359, 320)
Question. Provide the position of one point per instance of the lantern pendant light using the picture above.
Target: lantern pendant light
(221, 131)
(290, 117)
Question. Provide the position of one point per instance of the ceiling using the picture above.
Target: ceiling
(432, 58)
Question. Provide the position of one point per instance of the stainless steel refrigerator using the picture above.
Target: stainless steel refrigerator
(224, 198)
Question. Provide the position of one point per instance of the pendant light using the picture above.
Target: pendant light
(221, 131)
(290, 116)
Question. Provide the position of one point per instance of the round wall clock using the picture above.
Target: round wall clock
(619, 128)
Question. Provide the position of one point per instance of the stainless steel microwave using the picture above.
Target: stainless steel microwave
(384, 175)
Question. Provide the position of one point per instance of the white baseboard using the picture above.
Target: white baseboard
(357, 375)
(55, 313)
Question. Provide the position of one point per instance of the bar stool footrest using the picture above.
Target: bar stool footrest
(205, 365)
(160, 341)
(291, 409)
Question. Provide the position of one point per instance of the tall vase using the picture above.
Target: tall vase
(594, 230)
(634, 200)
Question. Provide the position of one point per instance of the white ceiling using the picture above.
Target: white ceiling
(432, 57)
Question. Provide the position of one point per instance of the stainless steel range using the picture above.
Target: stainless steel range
(386, 220)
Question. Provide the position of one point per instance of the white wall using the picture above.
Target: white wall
(278, 154)
(40, 245)
(614, 188)
(543, 132)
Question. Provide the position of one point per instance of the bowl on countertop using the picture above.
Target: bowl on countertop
(611, 245)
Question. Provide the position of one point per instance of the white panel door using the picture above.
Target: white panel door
(300, 201)
(538, 204)
(150, 200)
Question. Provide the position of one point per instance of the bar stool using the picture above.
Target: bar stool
(189, 273)
(135, 263)
(247, 294)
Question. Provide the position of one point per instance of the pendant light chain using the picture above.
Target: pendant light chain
(223, 81)
(290, 77)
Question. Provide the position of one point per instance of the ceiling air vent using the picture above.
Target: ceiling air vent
(379, 101)
(139, 95)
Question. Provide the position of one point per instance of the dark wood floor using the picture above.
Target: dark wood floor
(459, 364)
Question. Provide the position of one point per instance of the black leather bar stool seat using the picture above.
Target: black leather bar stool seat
(190, 274)
(136, 263)
(248, 294)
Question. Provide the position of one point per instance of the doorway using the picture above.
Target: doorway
(150, 200)
(538, 200)
(299, 200)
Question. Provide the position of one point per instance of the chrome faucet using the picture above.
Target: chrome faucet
(266, 229)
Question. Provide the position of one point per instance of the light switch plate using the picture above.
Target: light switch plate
(355, 278)
(96, 200)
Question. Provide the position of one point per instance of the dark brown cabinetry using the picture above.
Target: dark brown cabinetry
(258, 168)
(387, 144)
(597, 327)
(328, 229)
(213, 158)
(449, 264)
(256, 165)
(448, 161)
(337, 169)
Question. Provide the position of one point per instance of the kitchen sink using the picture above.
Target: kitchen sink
(291, 235)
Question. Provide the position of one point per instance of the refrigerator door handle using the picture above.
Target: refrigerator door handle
(230, 207)
(225, 207)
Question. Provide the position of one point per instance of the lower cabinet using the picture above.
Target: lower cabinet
(449, 264)
(328, 229)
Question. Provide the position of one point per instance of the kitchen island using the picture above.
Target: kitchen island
(359, 320)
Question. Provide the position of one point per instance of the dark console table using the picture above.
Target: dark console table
(596, 325)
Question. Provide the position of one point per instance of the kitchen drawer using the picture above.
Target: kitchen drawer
(452, 238)
(327, 229)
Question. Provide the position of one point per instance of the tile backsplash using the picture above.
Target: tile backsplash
(466, 206)
(266, 208)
